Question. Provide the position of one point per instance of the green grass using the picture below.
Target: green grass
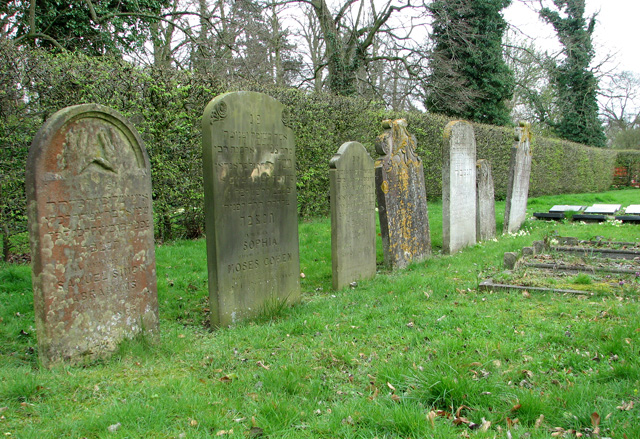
(368, 362)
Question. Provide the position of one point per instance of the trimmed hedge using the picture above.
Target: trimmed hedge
(166, 107)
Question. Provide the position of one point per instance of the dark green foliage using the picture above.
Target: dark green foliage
(166, 107)
(469, 78)
(576, 84)
(94, 28)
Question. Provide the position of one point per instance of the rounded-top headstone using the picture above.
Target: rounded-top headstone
(251, 214)
(88, 188)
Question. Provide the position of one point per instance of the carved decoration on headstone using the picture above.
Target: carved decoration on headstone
(91, 229)
(250, 207)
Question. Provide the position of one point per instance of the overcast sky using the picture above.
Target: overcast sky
(617, 31)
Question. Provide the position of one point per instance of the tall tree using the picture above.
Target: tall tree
(468, 76)
(576, 83)
(349, 34)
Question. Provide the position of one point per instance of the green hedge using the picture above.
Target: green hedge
(166, 107)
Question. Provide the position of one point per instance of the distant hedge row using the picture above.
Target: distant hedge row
(166, 107)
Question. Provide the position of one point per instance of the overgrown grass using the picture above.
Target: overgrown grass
(364, 362)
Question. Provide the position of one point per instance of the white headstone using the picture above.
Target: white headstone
(458, 187)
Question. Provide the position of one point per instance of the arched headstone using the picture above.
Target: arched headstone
(91, 229)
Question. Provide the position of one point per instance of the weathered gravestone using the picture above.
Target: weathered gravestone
(91, 229)
(518, 184)
(486, 206)
(458, 187)
(402, 199)
(250, 206)
(353, 223)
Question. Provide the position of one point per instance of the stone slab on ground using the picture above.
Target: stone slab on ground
(603, 209)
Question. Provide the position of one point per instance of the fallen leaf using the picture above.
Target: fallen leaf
(256, 432)
(262, 365)
(193, 422)
(113, 428)
(526, 294)
(395, 397)
(485, 425)
(516, 407)
(595, 422)
(460, 420)
(539, 421)
(391, 386)
(302, 275)
(431, 416)
(626, 406)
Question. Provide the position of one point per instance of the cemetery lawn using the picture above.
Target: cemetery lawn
(416, 353)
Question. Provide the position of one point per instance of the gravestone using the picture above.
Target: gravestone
(402, 198)
(518, 184)
(353, 222)
(250, 206)
(603, 209)
(88, 187)
(632, 209)
(458, 187)
(566, 208)
(486, 207)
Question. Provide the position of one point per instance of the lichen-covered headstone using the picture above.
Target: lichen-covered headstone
(515, 212)
(402, 199)
(458, 187)
(353, 222)
(250, 206)
(486, 206)
(91, 229)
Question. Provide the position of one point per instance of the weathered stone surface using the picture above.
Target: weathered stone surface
(486, 207)
(604, 209)
(402, 199)
(510, 259)
(518, 184)
(538, 247)
(458, 187)
(250, 206)
(91, 229)
(353, 222)
(527, 251)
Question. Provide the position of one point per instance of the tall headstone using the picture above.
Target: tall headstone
(88, 187)
(353, 222)
(518, 184)
(402, 198)
(250, 206)
(486, 206)
(458, 187)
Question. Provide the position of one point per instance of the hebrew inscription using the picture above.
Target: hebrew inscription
(91, 230)
(250, 206)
